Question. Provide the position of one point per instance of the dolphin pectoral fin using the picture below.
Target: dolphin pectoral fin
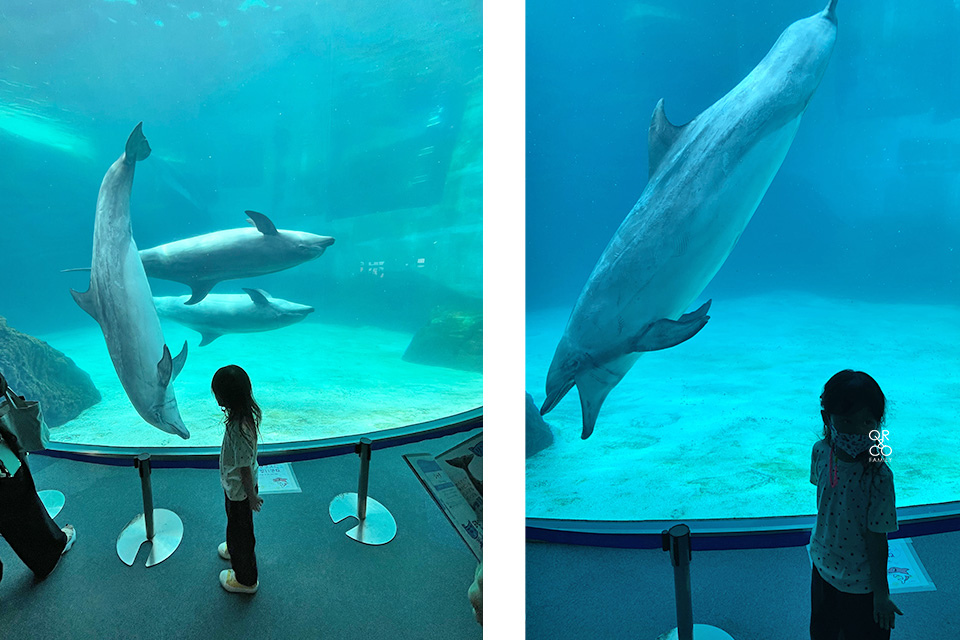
(165, 367)
(660, 137)
(208, 338)
(88, 302)
(592, 394)
(263, 223)
(137, 146)
(259, 296)
(665, 333)
(179, 361)
(199, 291)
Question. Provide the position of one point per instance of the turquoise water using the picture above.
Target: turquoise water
(850, 260)
(356, 120)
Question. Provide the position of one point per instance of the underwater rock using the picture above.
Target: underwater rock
(452, 339)
(37, 371)
(539, 433)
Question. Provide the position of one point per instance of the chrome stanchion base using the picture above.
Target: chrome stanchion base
(167, 534)
(53, 500)
(700, 632)
(378, 527)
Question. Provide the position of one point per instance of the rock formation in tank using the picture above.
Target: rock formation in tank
(451, 339)
(37, 371)
(539, 433)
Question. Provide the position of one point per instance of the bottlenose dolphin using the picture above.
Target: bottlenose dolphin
(203, 261)
(119, 300)
(706, 179)
(232, 313)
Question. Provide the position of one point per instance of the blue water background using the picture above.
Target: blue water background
(866, 204)
(360, 120)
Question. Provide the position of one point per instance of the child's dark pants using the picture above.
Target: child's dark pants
(26, 525)
(240, 541)
(833, 611)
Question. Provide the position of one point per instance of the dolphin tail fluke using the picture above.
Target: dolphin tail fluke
(208, 338)
(200, 291)
(179, 361)
(665, 333)
(137, 146)
(830, 13)
(88, 302)
(462, 462)
(592, 394)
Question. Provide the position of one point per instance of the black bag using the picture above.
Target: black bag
(25, 420)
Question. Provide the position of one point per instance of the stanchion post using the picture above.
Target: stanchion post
(364, 450)
(677, 542)
(143, 464)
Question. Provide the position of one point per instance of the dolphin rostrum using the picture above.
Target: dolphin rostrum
(203, 261)
(232, 313)
(119, 300)
(706, 179)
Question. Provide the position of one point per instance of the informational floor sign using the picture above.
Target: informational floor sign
(905, 572)
(278, 478)
(455, 481)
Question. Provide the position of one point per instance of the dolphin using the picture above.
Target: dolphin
(203, 261)
(463, 463)
(232, 313)
(119, 300)
(705, 182)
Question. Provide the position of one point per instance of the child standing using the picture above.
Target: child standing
(855, 511)
(238, 476)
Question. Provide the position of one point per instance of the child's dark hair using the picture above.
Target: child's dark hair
(848, 392)
(233, 391)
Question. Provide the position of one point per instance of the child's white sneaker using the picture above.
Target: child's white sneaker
(71, 537)
(222, 550)
(229, 582)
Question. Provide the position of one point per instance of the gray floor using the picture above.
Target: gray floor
(762, 594)
(315, 582)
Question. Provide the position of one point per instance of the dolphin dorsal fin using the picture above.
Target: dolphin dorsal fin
(259, 296)
(262, 223)
(661, 137)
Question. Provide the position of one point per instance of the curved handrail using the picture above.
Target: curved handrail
(208, 457)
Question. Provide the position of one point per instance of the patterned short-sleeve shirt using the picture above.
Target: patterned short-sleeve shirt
(845, 513)
(236, 452)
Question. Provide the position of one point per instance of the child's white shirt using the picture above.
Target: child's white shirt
(838, 546)
(236, 452)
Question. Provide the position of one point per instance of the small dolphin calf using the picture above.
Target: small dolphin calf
(706, 179)
(203, 261)
(225, 313)
(119, 300)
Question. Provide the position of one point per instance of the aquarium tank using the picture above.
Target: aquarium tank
(306, 204)
(837, 160)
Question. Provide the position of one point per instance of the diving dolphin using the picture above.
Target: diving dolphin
(463, 463)
(119, 300)
(232, 313)
(203, 261)
(706, 179)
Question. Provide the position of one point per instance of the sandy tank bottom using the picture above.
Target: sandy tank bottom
(311, 380)
(722, 425)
